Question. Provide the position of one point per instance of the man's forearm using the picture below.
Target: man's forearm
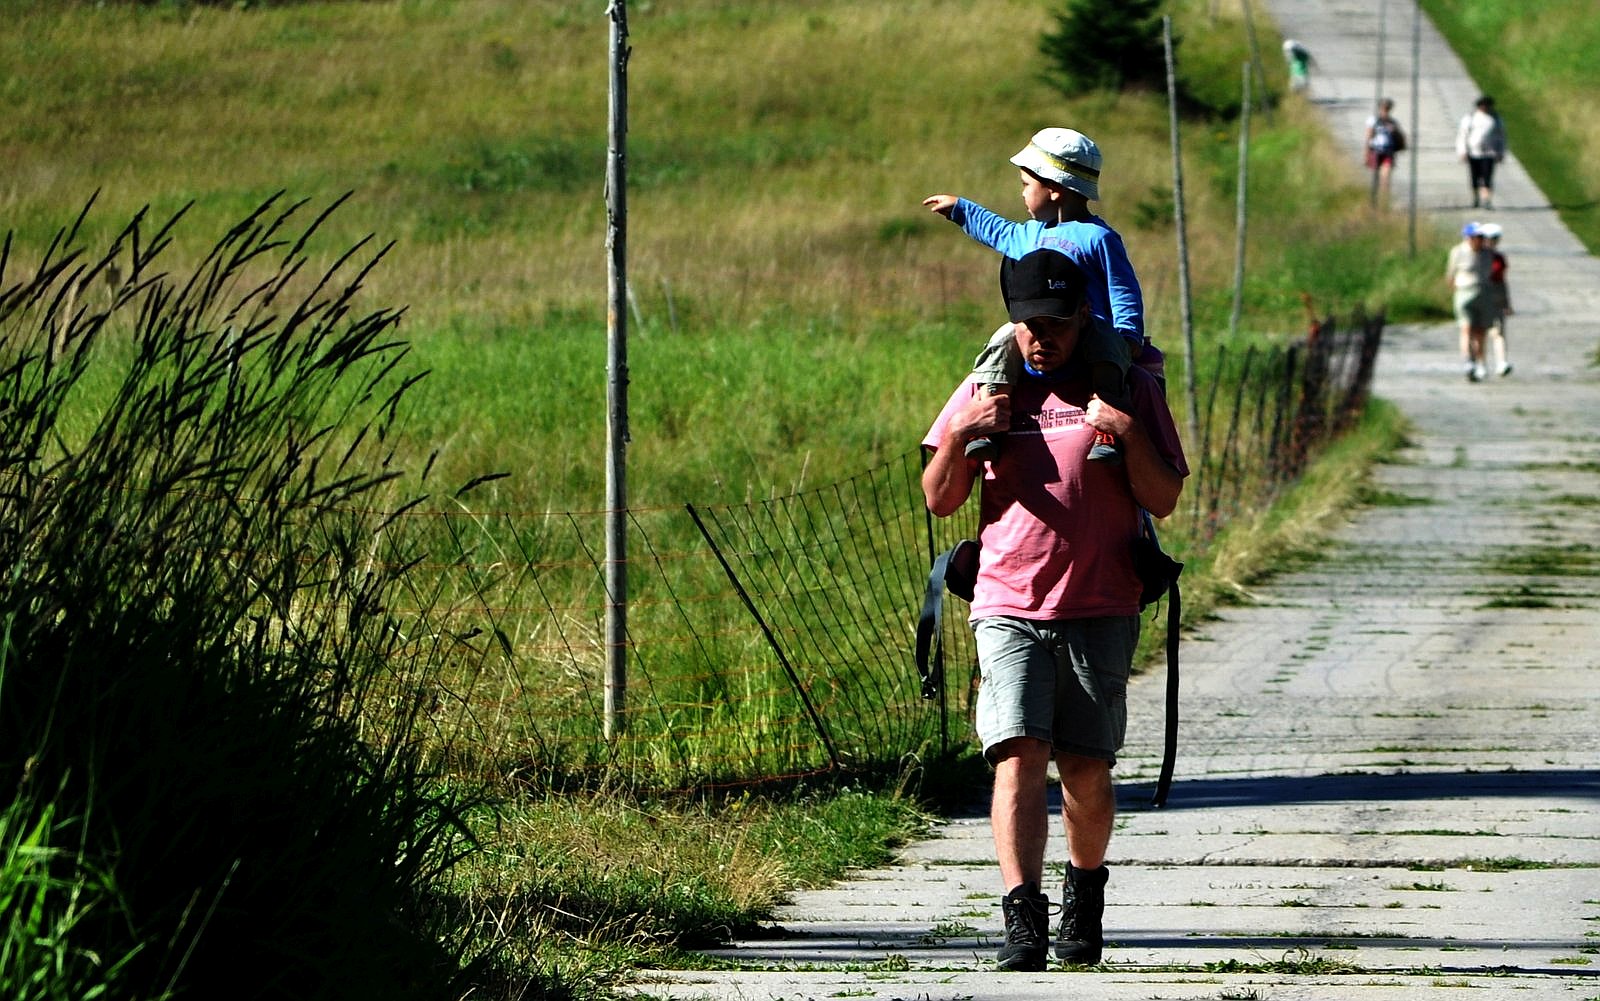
(947, 480)
(1154, 482)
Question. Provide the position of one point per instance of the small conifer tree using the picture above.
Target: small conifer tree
(1106, 45)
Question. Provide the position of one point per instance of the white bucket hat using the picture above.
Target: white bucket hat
(1068, 158)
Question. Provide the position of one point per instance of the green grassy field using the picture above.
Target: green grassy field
(777, 160)
(800, 316)
(1537, 61)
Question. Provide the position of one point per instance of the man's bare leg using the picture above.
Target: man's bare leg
(1019, 812)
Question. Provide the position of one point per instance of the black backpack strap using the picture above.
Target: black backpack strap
(1169, 753)
(930, 634)
(1167, 570)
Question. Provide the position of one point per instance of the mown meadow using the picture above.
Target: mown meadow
(777, 159)
(797, 317)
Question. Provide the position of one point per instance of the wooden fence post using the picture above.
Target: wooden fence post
(616, 626)
(1183, 236)
(1241, 202)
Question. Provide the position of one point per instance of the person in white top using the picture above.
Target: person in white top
(1481, 142)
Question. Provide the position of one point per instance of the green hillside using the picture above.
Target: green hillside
(1537, 61)
(778, 153)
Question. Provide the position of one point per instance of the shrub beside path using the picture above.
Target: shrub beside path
(1389, 779)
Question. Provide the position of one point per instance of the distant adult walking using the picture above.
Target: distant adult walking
(1481, 142)
(1467, 272)
(1384, 138)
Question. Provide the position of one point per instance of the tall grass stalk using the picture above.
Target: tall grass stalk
(48, 891)
(223, 734)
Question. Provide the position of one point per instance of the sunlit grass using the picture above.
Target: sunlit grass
(1537, 61)
(777, 158)
(801, 317)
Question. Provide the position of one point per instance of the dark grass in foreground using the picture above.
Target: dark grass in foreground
(214, 723)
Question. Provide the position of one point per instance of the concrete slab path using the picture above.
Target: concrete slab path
(1389, 781)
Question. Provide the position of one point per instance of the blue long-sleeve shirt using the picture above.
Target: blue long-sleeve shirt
(1113, 290)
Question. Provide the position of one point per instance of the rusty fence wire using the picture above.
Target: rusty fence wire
(774, 639)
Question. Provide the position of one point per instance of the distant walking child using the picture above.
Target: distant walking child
(1467, 273)
(1499, 297)
(1299, 59)
(1060, 171)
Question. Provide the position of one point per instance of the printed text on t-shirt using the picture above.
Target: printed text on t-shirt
(1047, 419)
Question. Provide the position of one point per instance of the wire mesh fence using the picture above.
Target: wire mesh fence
(766, 640)
(774, 639)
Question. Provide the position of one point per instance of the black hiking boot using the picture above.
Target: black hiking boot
(1027, 915)
(1079, 936)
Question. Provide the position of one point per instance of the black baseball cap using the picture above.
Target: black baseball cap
(1043, 283)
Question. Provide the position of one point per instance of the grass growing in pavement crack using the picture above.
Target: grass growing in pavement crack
(1379, 497)
(1304, 964)
(1576, 560)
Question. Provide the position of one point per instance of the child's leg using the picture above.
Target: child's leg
(1476, 337)
(1464, 321)
(1152, 360)
(1497, 342)
(996, 369)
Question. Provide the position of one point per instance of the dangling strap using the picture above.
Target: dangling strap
(1169, 753)
(930, 634)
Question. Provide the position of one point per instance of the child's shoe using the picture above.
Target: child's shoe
(985, 449)
(1106, 448)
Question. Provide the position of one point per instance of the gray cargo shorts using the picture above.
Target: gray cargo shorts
(1062, 681)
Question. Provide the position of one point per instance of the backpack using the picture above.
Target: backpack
(954, 570)
(1386, 137)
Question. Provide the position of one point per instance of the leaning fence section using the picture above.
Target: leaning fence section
(1267, 410)
(775, 638)
(766, 640)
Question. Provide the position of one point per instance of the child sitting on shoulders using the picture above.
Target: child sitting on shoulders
(1060, 171)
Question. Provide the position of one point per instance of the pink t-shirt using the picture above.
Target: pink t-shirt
(1057, 530)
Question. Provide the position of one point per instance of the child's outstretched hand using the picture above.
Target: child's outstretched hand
(941, 204)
